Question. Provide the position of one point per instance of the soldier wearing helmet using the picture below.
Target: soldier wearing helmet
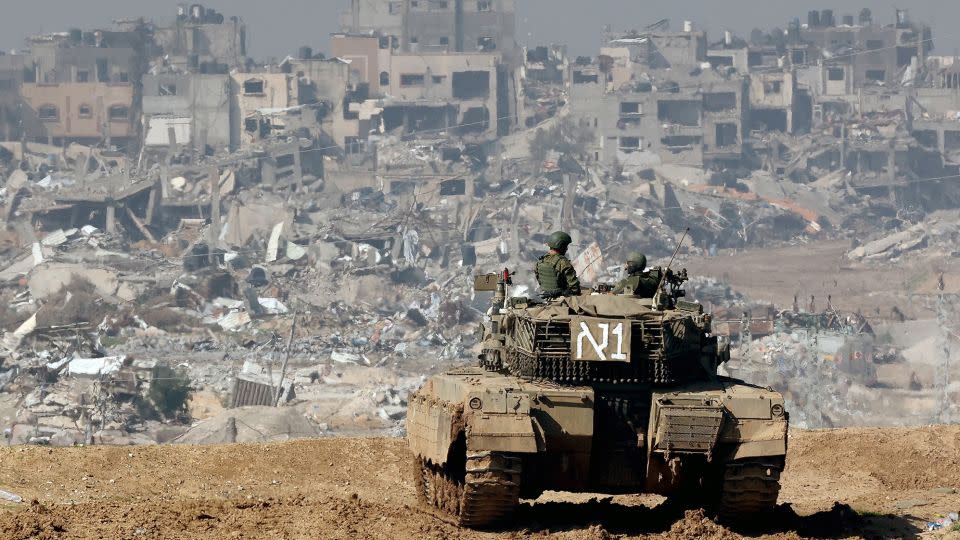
(643, 284)
(554, 272)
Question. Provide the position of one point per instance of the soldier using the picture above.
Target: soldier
(554, 272)
(643, 284)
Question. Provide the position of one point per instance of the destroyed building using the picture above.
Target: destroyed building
(12, 67)
(324, 85)
(437, 26)
(386, 38)
(646, 115)
(775, 100)
(80, 86)
(208, 198)
(548, 64)
(431, 92)
(866, 53)
(204, 40)
(61, 113)
(85, 57)
(187, 109)
(437, 92)
(258, 102)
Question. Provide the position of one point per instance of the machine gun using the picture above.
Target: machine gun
(665, 301)
(674, 281)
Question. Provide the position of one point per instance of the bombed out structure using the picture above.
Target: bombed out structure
(203, 197)
(834, 93)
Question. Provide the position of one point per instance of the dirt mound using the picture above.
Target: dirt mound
(250, 424)
(37, 522)
(898, 458)
(695, 525)
(885, 480)
(296, 517)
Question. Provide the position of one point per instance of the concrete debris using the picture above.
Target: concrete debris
(272, 306)
(892, 245)
(47, 280)
(936, 236)
(94, 367)
(250, 424)
(589, 263)
(273, 245)
(12, 340)
(234, 320)
(226, 197)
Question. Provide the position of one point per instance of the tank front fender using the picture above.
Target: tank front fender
(432, 426)
(501, 433)
(754, 438)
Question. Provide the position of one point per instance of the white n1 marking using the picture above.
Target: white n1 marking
(618, 331)
(598, 347)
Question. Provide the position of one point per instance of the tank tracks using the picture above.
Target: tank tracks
(750, 489)
(487, 494)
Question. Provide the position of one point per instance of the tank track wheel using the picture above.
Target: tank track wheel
(750, 489)
(488, 494)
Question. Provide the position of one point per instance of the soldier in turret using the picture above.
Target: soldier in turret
(642, 283)
(555, 274)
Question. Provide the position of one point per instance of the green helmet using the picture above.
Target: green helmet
(637, 260)
(559, 241)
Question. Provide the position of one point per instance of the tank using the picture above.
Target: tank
(596, 393)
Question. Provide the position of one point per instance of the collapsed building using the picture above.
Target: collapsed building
(186, 110)
(211, 206)
(437, 25)
(872, 95)
(202, 39)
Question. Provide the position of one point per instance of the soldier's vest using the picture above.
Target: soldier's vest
(546, 272)
(631, 283)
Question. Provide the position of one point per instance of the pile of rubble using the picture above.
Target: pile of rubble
(297, 287)
(937, 236)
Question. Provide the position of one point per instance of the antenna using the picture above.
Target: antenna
(658, 296)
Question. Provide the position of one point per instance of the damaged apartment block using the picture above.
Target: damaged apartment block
(336, 205)
(680, 120)
(433, 67)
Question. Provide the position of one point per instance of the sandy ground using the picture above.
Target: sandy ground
(839, 484)
(820, 269)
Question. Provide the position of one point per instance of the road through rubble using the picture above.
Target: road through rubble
(839, 484)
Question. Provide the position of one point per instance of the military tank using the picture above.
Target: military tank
(596, 393)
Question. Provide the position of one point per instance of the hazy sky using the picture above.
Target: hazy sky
(279, 27)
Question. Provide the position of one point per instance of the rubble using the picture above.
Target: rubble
(937, 235)
(250, 424)
(224, 197)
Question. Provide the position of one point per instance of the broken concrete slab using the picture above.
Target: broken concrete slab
(95, 367)
(891, 245)
(273, 245)
(12, 340)
(234, 320)
(47, 279)
(246, 220)
(272, 306)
